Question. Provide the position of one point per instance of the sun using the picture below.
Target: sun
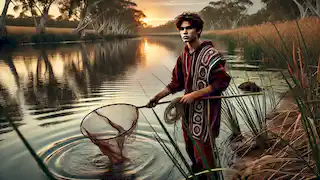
(145, 20)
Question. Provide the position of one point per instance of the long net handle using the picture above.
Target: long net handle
(212, 97)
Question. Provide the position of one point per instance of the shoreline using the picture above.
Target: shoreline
(12, 41)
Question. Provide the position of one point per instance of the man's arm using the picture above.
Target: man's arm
(219, 81)
(176, 84)
(154, 101)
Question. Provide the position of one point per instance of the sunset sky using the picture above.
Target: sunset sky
(160, 11)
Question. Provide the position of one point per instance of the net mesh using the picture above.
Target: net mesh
(109, 127)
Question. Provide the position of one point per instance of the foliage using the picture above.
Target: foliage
(233, 14)
(224, 14)
(29, 22)
(106, 17)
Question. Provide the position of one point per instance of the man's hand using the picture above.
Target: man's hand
(153, 102)
(189, 98)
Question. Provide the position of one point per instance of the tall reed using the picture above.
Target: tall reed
(294, 129)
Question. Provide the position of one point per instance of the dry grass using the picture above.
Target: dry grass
(280, 161)
(16, 30)
(288, 30)
(289, 154)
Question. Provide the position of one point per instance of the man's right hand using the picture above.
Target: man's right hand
(153, 102)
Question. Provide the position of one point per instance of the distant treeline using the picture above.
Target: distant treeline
(219, 15)
(29, 22)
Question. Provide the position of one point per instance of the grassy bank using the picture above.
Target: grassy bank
(282, 143)
(18, 35)
(254, 40)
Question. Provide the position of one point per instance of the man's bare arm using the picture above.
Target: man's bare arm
(203, 92)
(165, 92)
(189, 98)
(153, 102)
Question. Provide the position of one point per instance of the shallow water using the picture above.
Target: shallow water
(49, 90)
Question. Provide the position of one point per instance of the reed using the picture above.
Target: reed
(293, 127)
(247, 37)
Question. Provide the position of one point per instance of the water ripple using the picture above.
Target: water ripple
(78, 158)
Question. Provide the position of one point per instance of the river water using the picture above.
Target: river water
(49, 90)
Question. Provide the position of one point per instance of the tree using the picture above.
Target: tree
(39, 9)
(308, 7)
(291, 9)
(103, 15)
(3, 18)
(225, 13)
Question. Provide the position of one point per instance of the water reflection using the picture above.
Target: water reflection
(50, 78)
(9, 106)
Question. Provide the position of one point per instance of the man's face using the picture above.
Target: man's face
(187, 32)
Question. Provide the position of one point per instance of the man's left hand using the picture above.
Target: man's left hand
(189, 98)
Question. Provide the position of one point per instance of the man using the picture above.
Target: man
(199, 71)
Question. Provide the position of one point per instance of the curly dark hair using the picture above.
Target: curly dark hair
(193, 18)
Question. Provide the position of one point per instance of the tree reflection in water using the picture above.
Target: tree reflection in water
(52, 80)
(11, 107)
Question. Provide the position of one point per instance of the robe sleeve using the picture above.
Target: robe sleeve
(177, 79)
(218, 78)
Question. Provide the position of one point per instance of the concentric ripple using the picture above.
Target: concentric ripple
(78, 158)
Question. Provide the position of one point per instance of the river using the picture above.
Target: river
(49, 90)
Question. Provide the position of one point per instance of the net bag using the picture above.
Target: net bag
(109, 127)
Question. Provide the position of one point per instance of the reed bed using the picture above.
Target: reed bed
(248, 37)
(291, 130)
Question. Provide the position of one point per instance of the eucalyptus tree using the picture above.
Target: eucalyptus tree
(39, 9)
(82, 10)
(3, 17)
(126, 22)
(292, 9)
(308, 7)
(104, 15)
(225, 13)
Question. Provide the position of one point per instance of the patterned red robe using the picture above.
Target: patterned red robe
(203, 67)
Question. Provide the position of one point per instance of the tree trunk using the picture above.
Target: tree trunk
(36, 25)
(302, 9)
(315, 10)
(81, 27)
(3, 18)
(84, 21)
(43, 20)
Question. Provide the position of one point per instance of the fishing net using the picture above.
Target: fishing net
(110, 127)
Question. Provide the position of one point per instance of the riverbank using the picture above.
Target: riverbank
(262, 41)
(286, 155)
(286, 142)
(20, 36)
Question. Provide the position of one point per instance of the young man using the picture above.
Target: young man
(199, 71)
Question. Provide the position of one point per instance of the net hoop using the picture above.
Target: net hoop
(133, 125)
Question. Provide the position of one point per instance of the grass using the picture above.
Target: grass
(293, 127)
(252, 38)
